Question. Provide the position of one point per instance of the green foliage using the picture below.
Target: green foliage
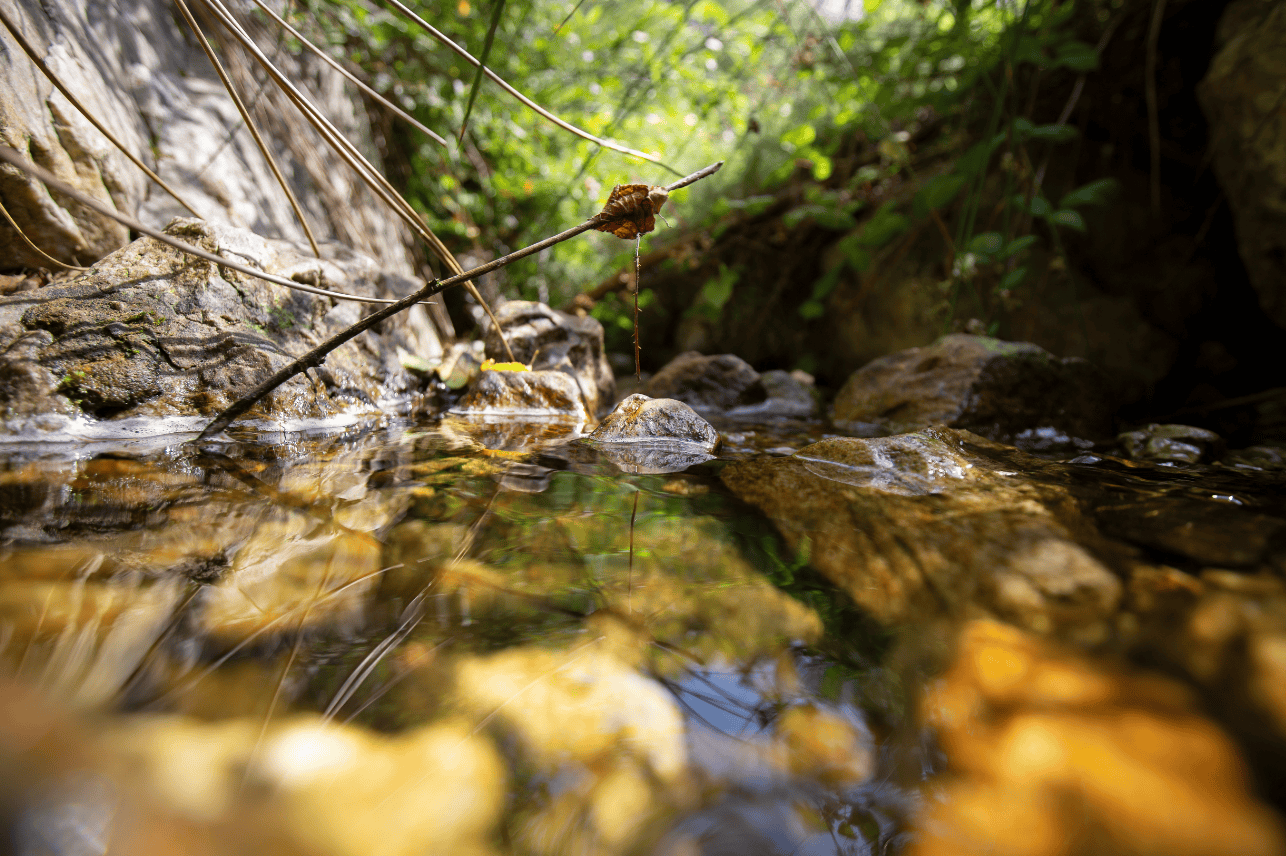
(772, 89)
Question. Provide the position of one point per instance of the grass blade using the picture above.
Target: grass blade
(486, 52)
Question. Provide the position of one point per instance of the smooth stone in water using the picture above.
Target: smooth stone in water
(642, 419)
(1178, 444)
(787, 399)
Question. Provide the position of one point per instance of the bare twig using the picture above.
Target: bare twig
(315, 357)
(75, 102)
(11, 157)
(250, 123)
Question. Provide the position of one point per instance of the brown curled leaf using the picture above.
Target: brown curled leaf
(631, 210)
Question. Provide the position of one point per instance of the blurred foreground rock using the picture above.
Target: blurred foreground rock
(1009, 391)
(152, 332)
(1053, 753)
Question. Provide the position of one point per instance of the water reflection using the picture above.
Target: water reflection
(444, 639)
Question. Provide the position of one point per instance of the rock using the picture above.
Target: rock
(654, 435)
(1051, 752)
(1001, 390)
(551, 394)
(787, 398)
(546, 339)
(159, 95)
(719, 382)
(1241, 98)
(918, 525)
(331, 789)
(640, 419)
(152, 332)
(1179, 444)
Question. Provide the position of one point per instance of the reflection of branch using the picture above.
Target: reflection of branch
(314, 357)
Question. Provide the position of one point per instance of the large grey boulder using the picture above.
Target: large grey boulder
(136, 68)
(152, 332)
(1241, 96)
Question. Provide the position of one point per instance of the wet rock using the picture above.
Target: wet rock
(159, 95)
(642, 419)
(1000, 390)
(788, 398)
(1179, 444)
(152, 332)
(577, 705)
(1240, 97)
(719, 382)
(1051, 752)
(328, 788)
(524, 394)
(654, 435)
(547, 339)
(919, 525)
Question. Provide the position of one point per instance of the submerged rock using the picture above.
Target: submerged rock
(152, 332)
(1052, 752)
(548, 340)
(1001, 390)
(920, 525)
(719, 382)
(1179, 444)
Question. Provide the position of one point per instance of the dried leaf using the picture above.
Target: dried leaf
(631, 209)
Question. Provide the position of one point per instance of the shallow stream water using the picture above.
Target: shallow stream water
(442, 638)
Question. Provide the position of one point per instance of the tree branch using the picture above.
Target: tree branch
(315, 357)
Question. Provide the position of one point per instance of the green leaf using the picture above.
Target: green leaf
(1053, 133)
(1012, 279)
(1069, 218)
(800, 136)
(1077, 56)
(975, 159)
(938, 192)
(1095, 193)
(1017, 245)
(823, 215)
(986, 244)
(811, 309)
(885, 225)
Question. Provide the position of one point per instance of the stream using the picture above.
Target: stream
(455, 637)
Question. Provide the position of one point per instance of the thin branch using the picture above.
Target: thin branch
(11, 157)
(32, 244)
(357, 81)
(75, 102)
(250, 123)
(531, 105)
(315, 357)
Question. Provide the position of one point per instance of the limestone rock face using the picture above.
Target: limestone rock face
(1241, 96)
(1011, 391)
(549, 340)
(153, 332)
(137, 69)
